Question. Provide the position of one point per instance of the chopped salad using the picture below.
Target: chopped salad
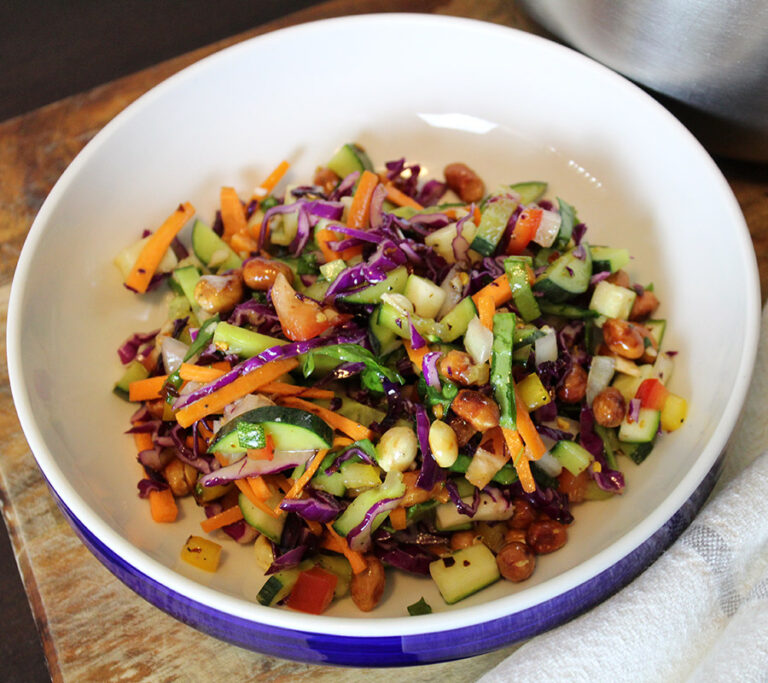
(376, 371)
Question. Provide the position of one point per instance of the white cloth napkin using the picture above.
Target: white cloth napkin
(700, 612)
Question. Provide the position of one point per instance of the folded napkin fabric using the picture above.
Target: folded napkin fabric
(700, 612)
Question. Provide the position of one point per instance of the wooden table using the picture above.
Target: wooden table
(92, 627)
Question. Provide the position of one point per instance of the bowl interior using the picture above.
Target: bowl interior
(514, 108)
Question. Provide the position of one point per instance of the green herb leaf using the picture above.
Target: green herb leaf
(418, 608)
(354, 353)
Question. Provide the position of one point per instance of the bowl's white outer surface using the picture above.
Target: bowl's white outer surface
(514, 107)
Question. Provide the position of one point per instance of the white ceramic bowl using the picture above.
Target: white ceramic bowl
(514, 107)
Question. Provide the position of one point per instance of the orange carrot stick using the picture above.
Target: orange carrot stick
(485, 310)
(232, 213)
(156, 246)
(400, 198)
(143, 441)
(416, 356)
(332, 541)
(259, 487)
(398, 519)
(199, 373)
(519, 459)
(271, 181)
(242, 242)
(228, 516)
(303, 480)
(351, 428)
(266, 453)
(528, 431)
(246, 384)
(325, 235)
(162, 506)
(360, 209)
(146, 389)
(247, 491)
(283, 389)
(498, 291)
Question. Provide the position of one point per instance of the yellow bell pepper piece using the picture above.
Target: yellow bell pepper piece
(201, 553)
(674, 413)
(532, 392)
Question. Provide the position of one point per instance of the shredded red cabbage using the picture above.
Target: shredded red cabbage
(248, 467)
(429, 369)
(607, 478)
(317, 507)
(130, 347)
(431, 473)
(359, 538)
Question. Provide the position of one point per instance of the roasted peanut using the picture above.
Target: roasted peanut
(180, 477)
(546, 535)
(492, 534)
(574, 386)
(464, 539)
(367, 587)
(573, 487)
(325, 178)
(516, 561)
(514, 536)
(479, 410)
(460, 368)
(623, 338)
(219, 293)
(609, 407)
(524, 515)
(464, 182)
(463, 430)
(397, 449)
(260, 273)
(443, 443)
(645, 306)
(620, 278)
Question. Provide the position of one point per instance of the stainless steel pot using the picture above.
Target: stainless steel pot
(711, 56)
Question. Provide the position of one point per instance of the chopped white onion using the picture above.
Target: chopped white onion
(243, 405)
(550, 464)
(545, 348)
(453, 287)
(548, 229)
(600, 374)
(478, 341)
(663, 367)
(173, 354)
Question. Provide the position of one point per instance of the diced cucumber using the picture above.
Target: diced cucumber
(133, 372)
(127, 257)
(360, 475)
(278, 586)
(608, 258)
(441, 240)
(291, 429)
(348, 159)
(244, 343)
(331, 270)
(338, 565)
(185, 279)
(574, 457)
(516, 268)
(642, 430)
(465, 572)
(505, 476)
(567, 277)
(394, 319)
(566, 310)
(237, 436)
(628, 384)
(529, 191)
(657, 328)
(493, 223)
(271, 527)
(490, 509)
(383, 340)
(501, 369)
(427, 298)
(393, 284)
(330, 483)
(637, 452)
(457, 319)
(213, 251)
(612, 301)
(392, 487)
(316, 290)
(356, 411)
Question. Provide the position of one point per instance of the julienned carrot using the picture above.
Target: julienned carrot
(228, 516)
(281, 481)
(351, 428)
(199, 373)
(416, 356)
(528, 432)
(398, 519)
(303, 480)
(324, 236)
(271, 181)
(360, 210)
(243, 242)
(283, 389)
(485, 310)
(259, 487)
(332, 541)
(232, 213)
(400, 198)
(143, 441)
(153, 251)
(162, 506)
(246, 384)
(519, 459)
(498, 290)
(341, 441)
(146, 389)
(247, 491)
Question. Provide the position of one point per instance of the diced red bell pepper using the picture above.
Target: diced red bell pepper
(652, 394)
(313, 591)
(525, 230)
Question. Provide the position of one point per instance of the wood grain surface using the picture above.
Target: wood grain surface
(92, 626)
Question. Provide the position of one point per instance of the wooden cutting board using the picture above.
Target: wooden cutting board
(92, 626)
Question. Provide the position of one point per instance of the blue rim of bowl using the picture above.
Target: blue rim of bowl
(423, 648)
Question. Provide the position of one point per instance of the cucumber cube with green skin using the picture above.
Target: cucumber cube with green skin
(608, 258)
(530, 191)
(566, 277)
(574, 457)
(642, 430)
(213, 251)
(612, 301)
(427, 298)
(464, 572)
(244, 343)
(493, 223)
(186, 278)
(134, 372)
(456, 321)
(331, 270)
(394, 283)
(271, 527)
(348, 159)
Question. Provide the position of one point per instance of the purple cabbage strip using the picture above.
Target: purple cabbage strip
(578, 233)
(429, 369)
(417, 341)
(376, 219)
(409, 558)
(287, 560)
(350, 453)
(461, 506)
(607, 479)
(318, 507)
(554, 434)
(431, 192)
(146, 486)
(247, 467)
(431, 473)
(359, 538)
(129, 348)
(253, 313)
(460, 244)
(344, 188)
